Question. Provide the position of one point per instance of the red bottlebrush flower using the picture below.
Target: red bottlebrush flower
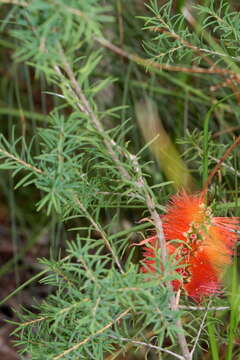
(205, 246)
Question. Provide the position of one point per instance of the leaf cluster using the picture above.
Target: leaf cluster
(89, 296)
(54, 22)
(215, 38)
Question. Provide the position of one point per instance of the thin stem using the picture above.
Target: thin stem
(100, 231)
(20, 161)
(217, 167)
(151, 207)
(89, 338)
(85, 106)
(141, 343)
(199, 308)
(199, 332)
(152, 64)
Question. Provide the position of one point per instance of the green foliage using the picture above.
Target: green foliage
(216, 37)
(53, 22)
(90, 296)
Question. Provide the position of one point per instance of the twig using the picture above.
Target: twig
(200, 330)
(34, 321)
(218, 160)
(230, 129)
(199, 308)
(151, 207)
(202, 51)
(100, 231)
(152, 64)
(182, 341)
(231, 168)
(20, 161)
(141, 343)
(85, 106)
(64, 310)
(100, 331)
(213, 69)
(217, 167)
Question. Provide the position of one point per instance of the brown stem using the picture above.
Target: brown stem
(152, 64)
(20, 161)
(217, 167)
(89, 338)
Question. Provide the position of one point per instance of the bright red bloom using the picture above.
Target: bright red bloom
(205, 246)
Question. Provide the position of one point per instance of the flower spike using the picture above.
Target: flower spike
(205, 247)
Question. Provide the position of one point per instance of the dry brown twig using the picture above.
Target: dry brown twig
(152, 64)
(220, 162)
(230, 77)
